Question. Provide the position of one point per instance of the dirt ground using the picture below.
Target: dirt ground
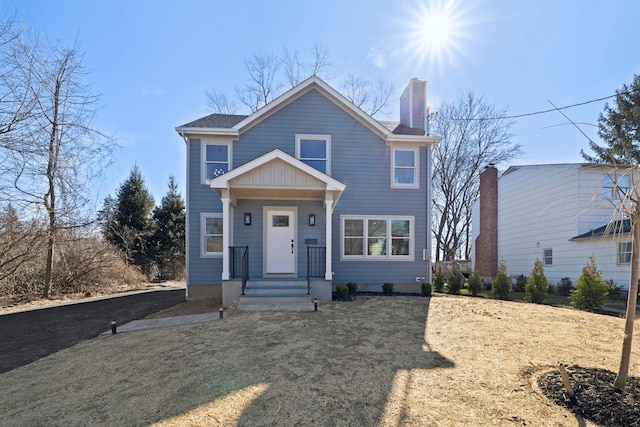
(376, 361)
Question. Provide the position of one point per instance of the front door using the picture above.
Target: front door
(280, 245)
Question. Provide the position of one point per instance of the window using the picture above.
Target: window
(405, 170)
(624, 253)
(547, 256)
(377, 238)
(315, 150)
(211, 231)
(215, 159)
(612, 191)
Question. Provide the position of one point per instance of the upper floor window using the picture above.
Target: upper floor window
(624, 253)
(216, 159)
(615, 186)
(315, 150)
(405, 172)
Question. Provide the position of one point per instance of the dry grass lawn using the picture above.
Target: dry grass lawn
(377, 361)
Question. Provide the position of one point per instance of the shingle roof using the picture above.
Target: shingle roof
(399, 129)
(621, 226)
(216, 121)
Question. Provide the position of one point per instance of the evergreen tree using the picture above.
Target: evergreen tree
(591, 289)
(127, 220)
(537, 286)
(500, 286)
(169, 236)
(619, 128)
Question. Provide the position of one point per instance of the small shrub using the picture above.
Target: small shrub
(591, 289)
(537, 287)
(500, 286)
(614, 289)
(352, 287)
(342, 291)
(438, 282)
(387, 287)
(426, 289)
(564, 286)
(521, 283)
(474, 283)
(454, 284)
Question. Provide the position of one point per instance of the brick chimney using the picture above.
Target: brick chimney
(413, 104)
(486, 246)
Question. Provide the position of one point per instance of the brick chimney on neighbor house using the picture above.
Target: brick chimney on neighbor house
(413, 104)
(486, 246)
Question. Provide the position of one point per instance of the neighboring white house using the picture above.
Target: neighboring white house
(559, 213)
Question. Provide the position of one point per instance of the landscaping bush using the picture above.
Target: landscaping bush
(387, 287)
(438, 282)
(521, 283)
(537, 287)
(474, 283)
(454, 284)
(352, 287)
(500, 286)
(614, 289)
(591, 289)
(426, 289)
(342, 291)
(564, 286)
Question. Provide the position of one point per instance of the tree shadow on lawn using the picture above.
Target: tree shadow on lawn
(347, 364)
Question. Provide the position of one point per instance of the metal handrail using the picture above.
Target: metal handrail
(244, 264)
(316, 262)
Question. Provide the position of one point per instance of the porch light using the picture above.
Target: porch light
(221, 310)
(312, 220)
(247, 218)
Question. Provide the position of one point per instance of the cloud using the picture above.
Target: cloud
(377, 57)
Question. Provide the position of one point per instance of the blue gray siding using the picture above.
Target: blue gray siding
(359, 158)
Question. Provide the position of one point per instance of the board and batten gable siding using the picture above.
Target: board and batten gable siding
(201, 199)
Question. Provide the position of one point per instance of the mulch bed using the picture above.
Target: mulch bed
(595, 397)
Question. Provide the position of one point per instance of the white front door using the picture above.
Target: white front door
(280, 241)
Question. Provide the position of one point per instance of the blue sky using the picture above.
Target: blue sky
(152, 61)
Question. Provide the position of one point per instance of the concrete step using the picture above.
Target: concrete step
(276, 306)
(276, 295)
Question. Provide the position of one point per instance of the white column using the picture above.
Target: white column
(328, 206)
(226, 232)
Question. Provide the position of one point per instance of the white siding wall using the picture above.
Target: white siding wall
(543, 207)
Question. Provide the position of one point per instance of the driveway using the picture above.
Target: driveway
(30, 335)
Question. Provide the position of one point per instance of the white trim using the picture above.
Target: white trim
(208, 131)
(385, 258)
(325, 138)
(203, 156)
(203, 241)
(416, 167)
(313, 82)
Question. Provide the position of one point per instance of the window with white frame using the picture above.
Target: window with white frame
(315, 150)
(377, 238)
(614, 187)
(216, 159)
(547, 256)
(624, 253)
(405, 171)
(211, 234)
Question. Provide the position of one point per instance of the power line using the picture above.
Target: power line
(547, 111)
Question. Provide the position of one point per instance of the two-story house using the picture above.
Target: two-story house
(561, 214)
(306, 193)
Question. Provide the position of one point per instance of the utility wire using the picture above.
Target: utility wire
(546, 111)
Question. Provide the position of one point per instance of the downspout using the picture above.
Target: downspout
(428, 245)
(186, 219)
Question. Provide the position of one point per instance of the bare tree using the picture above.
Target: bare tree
(296, 70)
(218, 102)
(472, 137)
(57, 155)
(261, 86)
(372, 98)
